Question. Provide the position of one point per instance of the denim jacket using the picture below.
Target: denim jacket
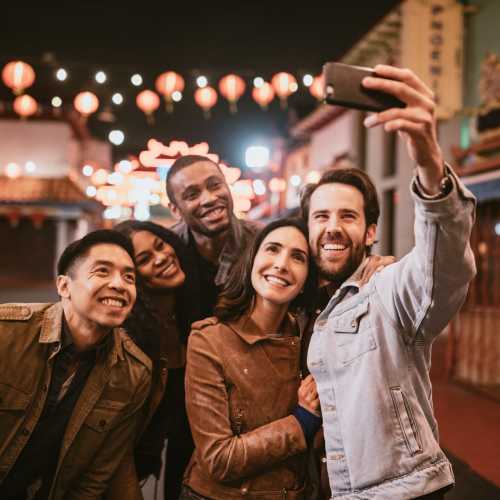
(370, 356)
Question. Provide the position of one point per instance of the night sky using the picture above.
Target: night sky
(247, 38)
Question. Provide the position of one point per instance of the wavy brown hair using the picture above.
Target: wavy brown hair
(237, 295)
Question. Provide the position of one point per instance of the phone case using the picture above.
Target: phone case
(343, 88)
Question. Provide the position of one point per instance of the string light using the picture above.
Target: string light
(61, 74)
(258, 82)
(202, 81)
(136, 80)
(307, 80)
(56, 102)
(116, 137)
(176, 96)
(117, 98)
(100, 77)
(87, 170)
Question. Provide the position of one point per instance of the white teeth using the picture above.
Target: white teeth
(113, 302)
(331, 246)
(216, 212)
(276, 280)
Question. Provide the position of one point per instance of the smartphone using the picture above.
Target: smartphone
(343, 88)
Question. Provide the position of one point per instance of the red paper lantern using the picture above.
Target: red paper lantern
(206, 99)
(263, 95)
(168, 83)
(232, 88)
(25, 105)
(284, 84)
(86, 103)
(18, 76)
(148, 102)
(317, 87)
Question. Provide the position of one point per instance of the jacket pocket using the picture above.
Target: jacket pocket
(13, 406)
(406, 421)
(106, 415)
(12, 399)
(353, 333)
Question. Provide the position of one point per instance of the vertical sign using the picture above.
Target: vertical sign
(432, 45)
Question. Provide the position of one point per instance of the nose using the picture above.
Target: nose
(334, 226)
(117, 282)
(159, 258)
(281, 261)
(207, 197)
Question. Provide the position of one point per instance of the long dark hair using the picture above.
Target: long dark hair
(143, 324)
(238, 293)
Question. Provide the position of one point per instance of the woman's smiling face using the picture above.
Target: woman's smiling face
(157, 261)
(281, 265)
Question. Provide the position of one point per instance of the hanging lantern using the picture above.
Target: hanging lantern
(317, 88)
(206, 99)
(232, 88)
(284, 84)
(168, 83)
(263, 95)
(25, 105)
(86, 103)
(148, 102)
(18, 75)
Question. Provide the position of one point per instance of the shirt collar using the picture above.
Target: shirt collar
(247, 330)
(55, 330)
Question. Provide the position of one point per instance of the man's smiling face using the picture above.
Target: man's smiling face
(202, 198)
(338, 234)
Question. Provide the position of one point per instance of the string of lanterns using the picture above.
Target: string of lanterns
(19, 76)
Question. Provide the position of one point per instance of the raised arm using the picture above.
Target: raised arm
(426, 288)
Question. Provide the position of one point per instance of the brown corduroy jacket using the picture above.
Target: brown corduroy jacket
(104, 421)
(241, 387)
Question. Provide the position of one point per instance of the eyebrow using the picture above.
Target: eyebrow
(102, 262)
(211, 178)
(296, 249)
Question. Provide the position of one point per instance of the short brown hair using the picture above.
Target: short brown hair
(352, 177)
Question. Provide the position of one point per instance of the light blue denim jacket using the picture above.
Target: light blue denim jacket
(370, 356)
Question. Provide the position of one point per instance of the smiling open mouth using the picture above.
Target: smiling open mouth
(113, 302)
(168, 270)
(214, 214)
(336, 247)
(275, 280)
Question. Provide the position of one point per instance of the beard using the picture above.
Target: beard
(208, 232)
(336, 273)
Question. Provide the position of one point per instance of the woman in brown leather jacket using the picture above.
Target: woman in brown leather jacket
(251, 416)
(166, 305)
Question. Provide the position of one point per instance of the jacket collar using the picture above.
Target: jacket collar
(51, 332)
(248, 331)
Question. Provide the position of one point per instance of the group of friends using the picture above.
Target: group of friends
(278, 362)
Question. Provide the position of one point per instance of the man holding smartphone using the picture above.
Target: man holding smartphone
(371, 347)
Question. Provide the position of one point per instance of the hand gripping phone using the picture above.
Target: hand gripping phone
(343, 88)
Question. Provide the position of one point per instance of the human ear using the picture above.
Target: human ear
(62, 285)
(371, 233)
(175, 210)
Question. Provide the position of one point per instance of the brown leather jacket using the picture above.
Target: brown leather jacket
(104, 420)
(241, 387)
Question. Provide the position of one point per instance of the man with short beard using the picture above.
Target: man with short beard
(371, 347)
(200, 198)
